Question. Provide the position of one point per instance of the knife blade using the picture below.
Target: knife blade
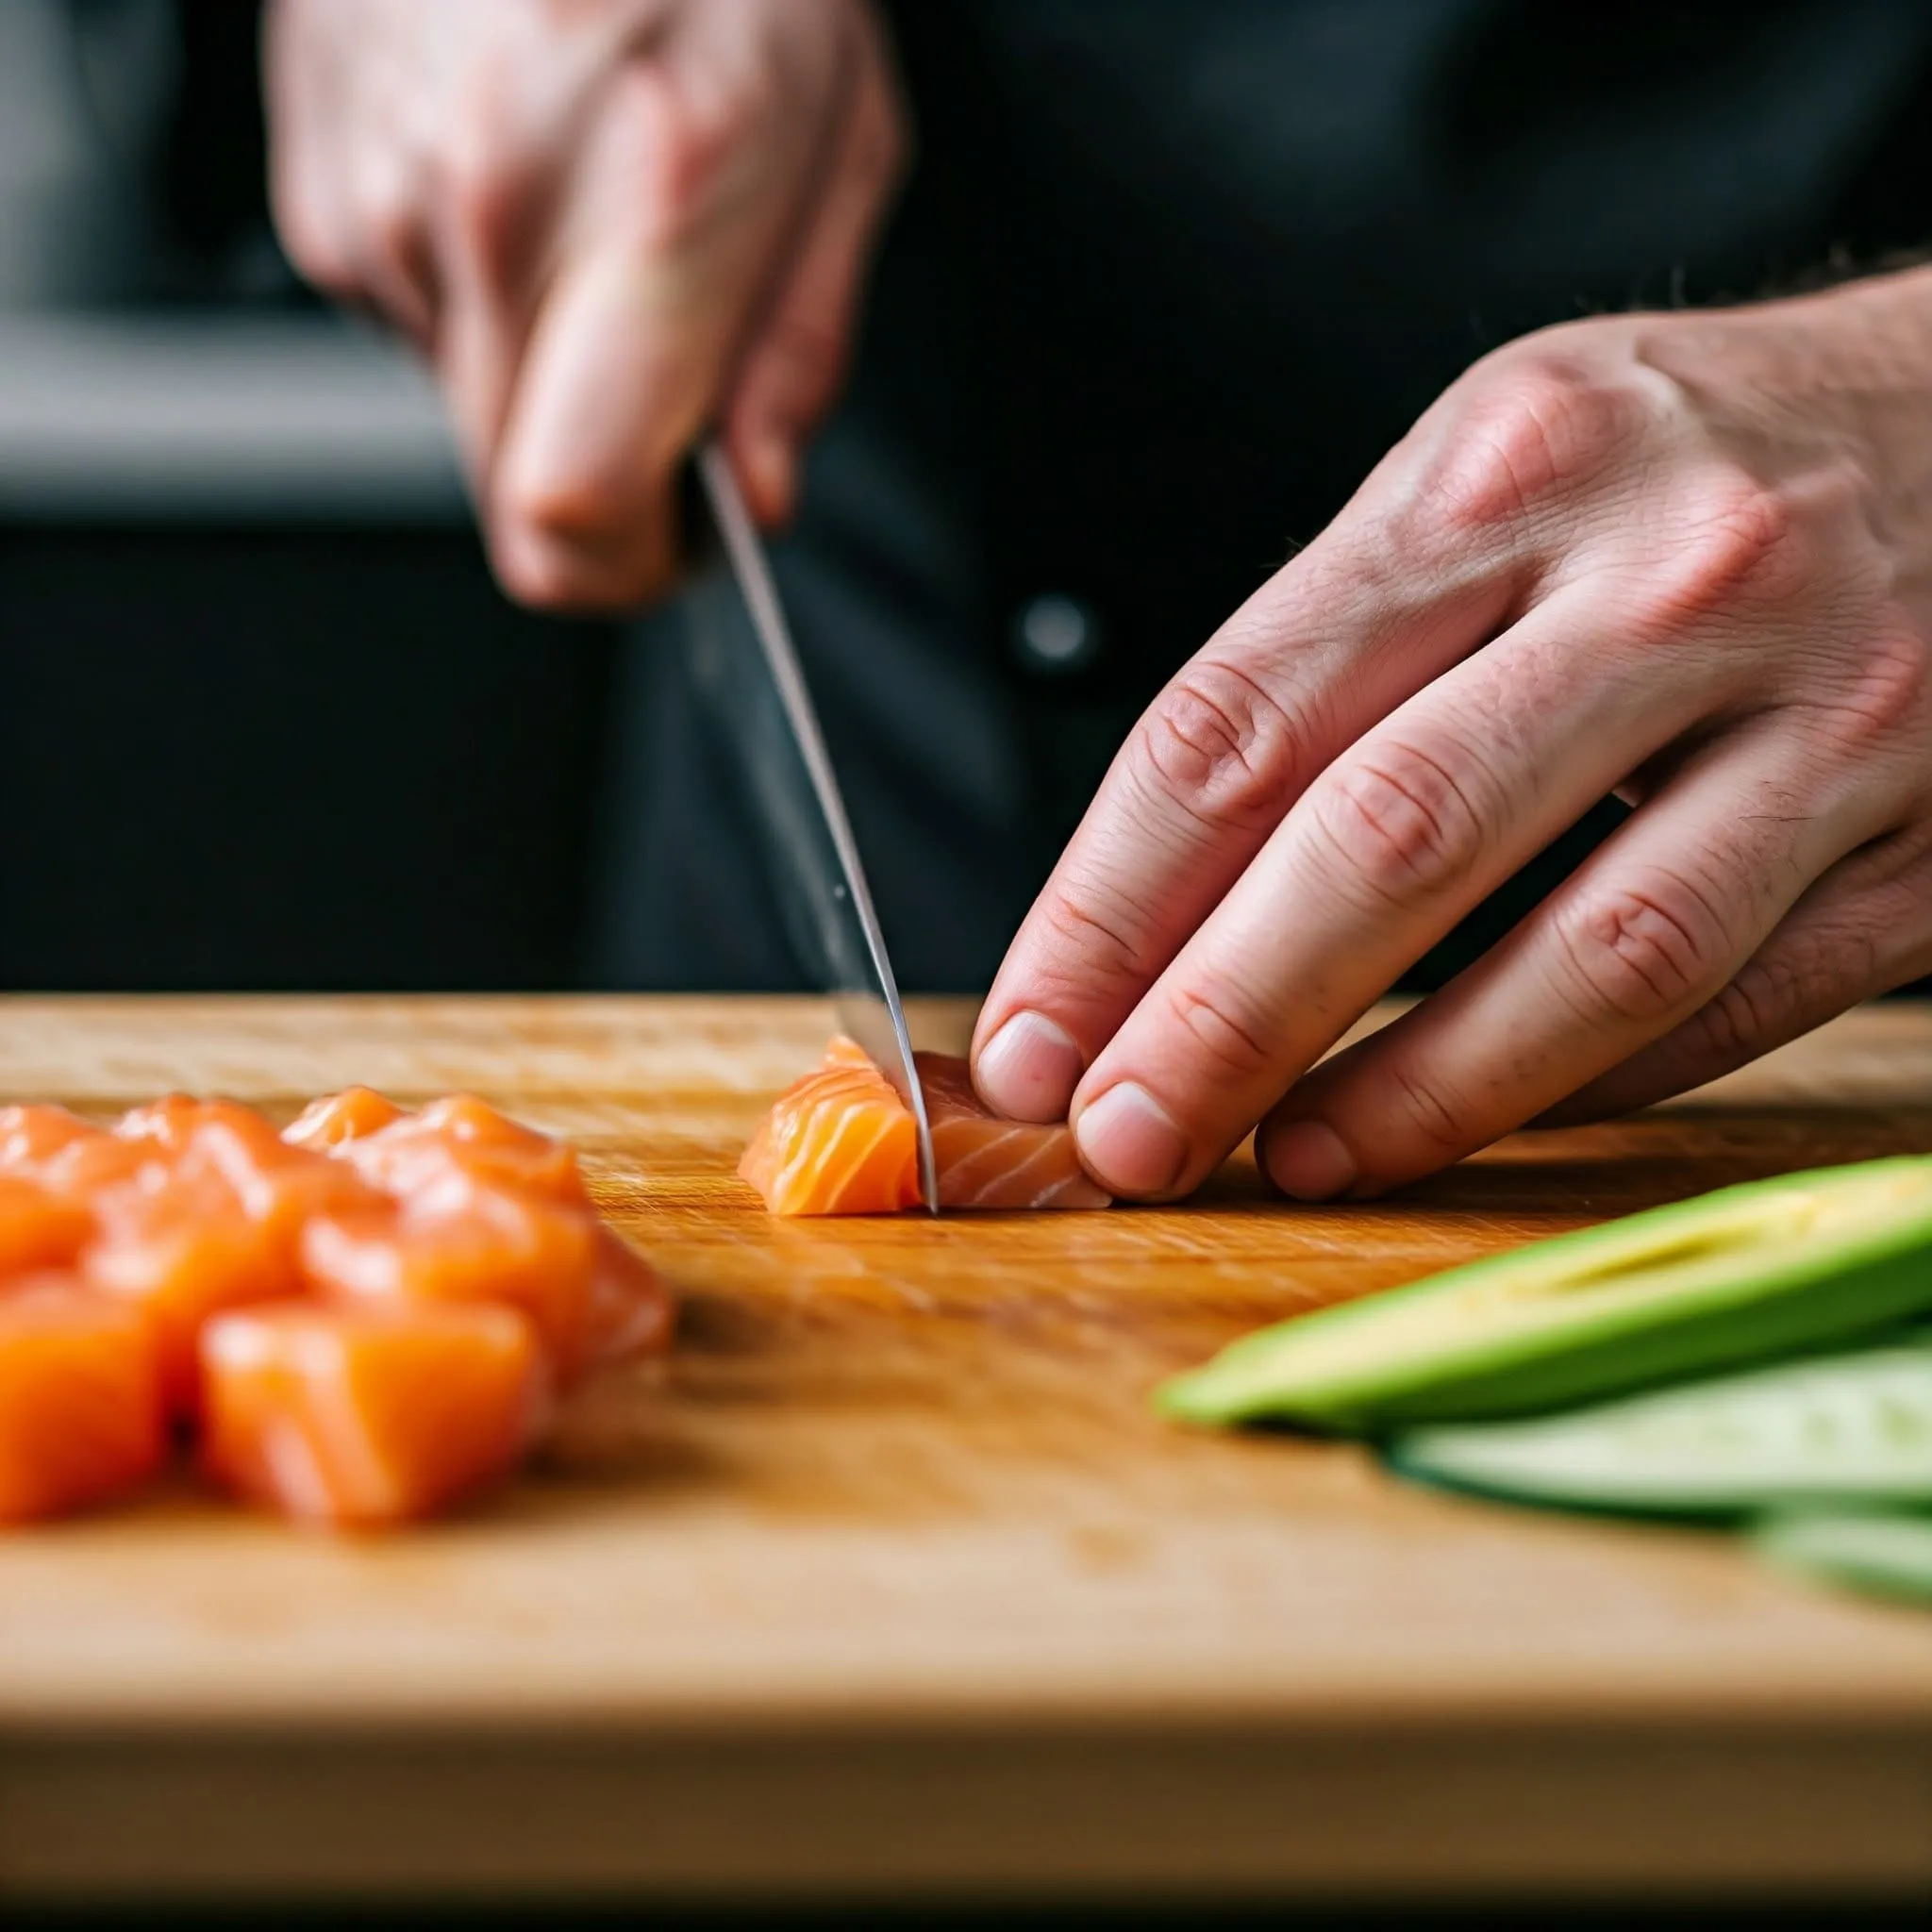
(747, 662)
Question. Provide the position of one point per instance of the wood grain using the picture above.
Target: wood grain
(895, 1568)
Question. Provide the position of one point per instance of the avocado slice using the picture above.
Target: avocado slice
(1875, 1554)
(1845, 1430)
(1743, 1273)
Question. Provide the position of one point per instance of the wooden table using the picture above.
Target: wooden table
(897, 1586)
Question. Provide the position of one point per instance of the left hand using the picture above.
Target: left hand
(1683, 559)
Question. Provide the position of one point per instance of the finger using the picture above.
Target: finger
(1448, 537)
(1304, 668)
(1863, 929)
(1399, 839)
(1644, 933)
(798, 356)
(685, 197)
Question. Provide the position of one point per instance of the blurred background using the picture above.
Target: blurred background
(266, 723)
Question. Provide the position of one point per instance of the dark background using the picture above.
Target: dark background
(273, 758)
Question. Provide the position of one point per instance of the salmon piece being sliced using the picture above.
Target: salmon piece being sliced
(80, 1399)
(514, 1250)
(842, 1141)
(181, 1253)
(353, 1114)
(39, 1229)
(368, 1416)
(985, 1162)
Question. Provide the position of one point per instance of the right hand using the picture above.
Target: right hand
(611, 224)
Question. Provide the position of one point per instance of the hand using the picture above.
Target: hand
(1687, 559)
(609, 224)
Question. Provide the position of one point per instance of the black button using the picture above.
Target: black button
(1055, 635)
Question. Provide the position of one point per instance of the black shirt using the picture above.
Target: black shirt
(1169, 277)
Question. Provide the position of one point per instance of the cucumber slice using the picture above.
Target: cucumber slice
(1849, 1429)
(1745, 1273)
(1877, 1555)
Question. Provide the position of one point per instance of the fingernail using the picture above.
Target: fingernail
(1028, 1069)
(1307, 1159)
(1130, 1143)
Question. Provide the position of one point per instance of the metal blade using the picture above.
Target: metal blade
(752, 674)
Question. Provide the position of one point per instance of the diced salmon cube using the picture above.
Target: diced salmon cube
(460, 1140)
(39, 1229)
(182, 1252)
(275, 1183)
(80, 1399)
(515, 1250)
(67, 1157)
(353, 1114)
(368, 1416)
(29, 1135)
(170, 1120)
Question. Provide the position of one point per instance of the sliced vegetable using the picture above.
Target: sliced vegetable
(1875, 1554)
(1741, 1274)
(1847, 1429)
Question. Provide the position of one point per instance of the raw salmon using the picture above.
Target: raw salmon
(66, 1155)
(30, 1136)
(359, 1314)
(842, 1141)
(39, 1229)
(517, 1251)
(338, 1117)
(180, 1254)
(80, 1399)
(985, 1162)
(365, 1418)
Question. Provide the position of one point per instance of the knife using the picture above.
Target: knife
(752, 674)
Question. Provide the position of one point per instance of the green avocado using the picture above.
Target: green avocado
(1847, 1431)
(1875, 1554)
(1745, 1273)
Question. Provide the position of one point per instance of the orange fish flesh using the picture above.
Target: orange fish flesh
(517, 1251)
(842, 1141)
(351, 1114)
(363, 1418)
(80, 1399)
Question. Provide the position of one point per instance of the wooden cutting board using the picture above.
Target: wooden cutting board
(895, 1584)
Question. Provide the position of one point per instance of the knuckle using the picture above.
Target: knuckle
(1430, 1112)
(390, 220)
(1737, 538)
(482, 187)
(1222, 1027)
(1887, 700)
(1777, 994)
(670, 146)
(313, 244)
(1102, 933)
(1531, 425)
(1218, 746)
(1643, 948)
(1396, 820)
